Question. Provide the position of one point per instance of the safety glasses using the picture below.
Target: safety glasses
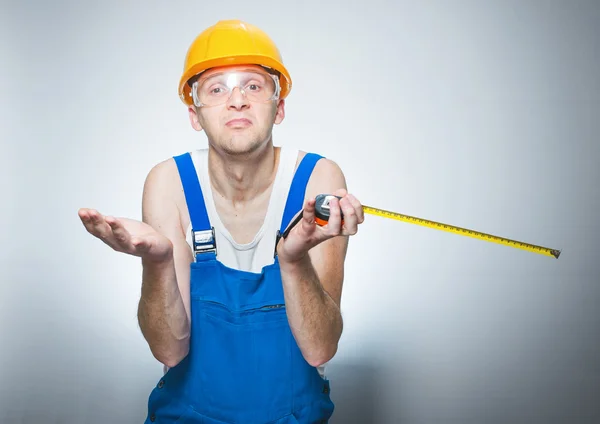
(216, 89)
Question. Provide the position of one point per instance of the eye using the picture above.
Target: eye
(253, 86)
(217, 90)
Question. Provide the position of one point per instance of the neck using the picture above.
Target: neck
(239, 178)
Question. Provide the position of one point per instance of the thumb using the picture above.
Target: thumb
(141, 244)
(340, 192)
(308, 216)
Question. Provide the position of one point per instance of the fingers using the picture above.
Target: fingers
(356, 206)
(350, 218)
(352, 211)
(126, 235)
(95, 223)
(340, 192)
(334, 224)
(308, 215)
(107, 228)
(120, 234)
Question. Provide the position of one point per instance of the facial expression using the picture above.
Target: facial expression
(236, 123)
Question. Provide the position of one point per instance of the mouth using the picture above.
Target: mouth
(238, 123)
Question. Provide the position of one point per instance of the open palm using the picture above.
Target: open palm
(127, 235)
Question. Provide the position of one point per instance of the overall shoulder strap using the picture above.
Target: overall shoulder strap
(295, 199)
(203, 236)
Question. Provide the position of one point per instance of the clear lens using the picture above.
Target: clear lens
(217, 88)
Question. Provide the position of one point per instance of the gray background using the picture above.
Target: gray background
(478, 114)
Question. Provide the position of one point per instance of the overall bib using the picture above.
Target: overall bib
(243, 366)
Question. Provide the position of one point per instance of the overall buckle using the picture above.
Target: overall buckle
(204, 241)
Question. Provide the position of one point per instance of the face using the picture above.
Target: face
(236, 123)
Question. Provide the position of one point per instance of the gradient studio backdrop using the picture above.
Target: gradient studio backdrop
(479, 114)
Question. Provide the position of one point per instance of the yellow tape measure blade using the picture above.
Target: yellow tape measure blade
(462, 231)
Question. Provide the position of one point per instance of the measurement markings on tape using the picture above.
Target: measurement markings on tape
(322, 216)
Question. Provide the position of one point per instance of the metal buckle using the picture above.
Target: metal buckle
(204, 241)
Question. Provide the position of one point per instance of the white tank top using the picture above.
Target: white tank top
(253, 256)
(259, 252)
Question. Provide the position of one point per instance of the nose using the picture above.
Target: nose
(238, 99)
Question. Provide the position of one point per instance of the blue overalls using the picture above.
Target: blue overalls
(243, 365)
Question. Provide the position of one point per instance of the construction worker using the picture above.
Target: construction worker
(243, 318)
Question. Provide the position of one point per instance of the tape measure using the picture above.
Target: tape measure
(322, 216)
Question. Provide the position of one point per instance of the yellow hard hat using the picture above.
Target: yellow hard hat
(232, 42)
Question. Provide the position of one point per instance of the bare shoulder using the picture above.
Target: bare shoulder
(163, 200)
(327, 177)
(162, 179)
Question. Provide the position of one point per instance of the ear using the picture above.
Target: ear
(280, 112)
(194, 118)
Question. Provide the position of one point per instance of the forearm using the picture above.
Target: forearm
(315, 319)
(161, 313)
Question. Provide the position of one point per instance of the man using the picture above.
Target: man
(243, 316)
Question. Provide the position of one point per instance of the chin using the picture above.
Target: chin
(241, 146)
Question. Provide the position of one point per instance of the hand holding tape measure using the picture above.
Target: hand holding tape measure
(322, 216)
